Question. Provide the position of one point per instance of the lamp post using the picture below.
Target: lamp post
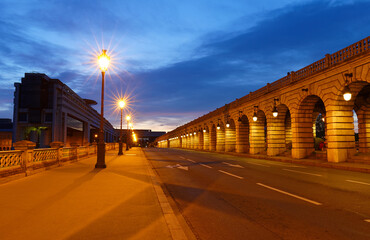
(103, 61)
(129, 128)
(127, 120)
(121, 104)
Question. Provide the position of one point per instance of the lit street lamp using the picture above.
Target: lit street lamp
(103, 61)
(127, 120)
(121, 104)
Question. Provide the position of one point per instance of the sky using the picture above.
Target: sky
(175, 60)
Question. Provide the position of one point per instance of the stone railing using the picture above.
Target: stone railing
(26, 160)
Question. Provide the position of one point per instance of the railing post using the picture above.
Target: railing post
(27, 154)
(59, 147)
(327, 60)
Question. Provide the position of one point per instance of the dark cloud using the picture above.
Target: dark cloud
(288, 39)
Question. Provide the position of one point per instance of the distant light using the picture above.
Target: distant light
(323, 119)
(227, 125)
(128, 117)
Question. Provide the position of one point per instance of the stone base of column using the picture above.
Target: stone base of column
(256, 150)
(339, 155)
(100, 163)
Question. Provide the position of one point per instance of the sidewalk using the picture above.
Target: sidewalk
(77, 201)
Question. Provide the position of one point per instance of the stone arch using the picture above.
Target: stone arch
(362, 109)
(230, 135)
(258, 134)
(220, 146)
(242, 135)
(206, 141)
(302, 125)
(279, 134)
(213, 138)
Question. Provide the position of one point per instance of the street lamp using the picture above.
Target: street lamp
(127, 120)
(255, 114)
(121, 104)
(103, 61)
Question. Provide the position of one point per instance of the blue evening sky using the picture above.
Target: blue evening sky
(177, 60)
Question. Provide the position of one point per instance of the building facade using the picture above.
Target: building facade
(47, 110)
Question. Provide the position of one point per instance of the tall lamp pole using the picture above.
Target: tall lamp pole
(103, 61)
(121, 104)
(127, 120)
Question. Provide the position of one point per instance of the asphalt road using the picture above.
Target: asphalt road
(228, 197)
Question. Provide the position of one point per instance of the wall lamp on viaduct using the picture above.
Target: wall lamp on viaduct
(347, 95)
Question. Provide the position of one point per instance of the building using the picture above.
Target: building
(6, 128)
(47, 110)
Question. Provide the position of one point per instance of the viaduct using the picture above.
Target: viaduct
(280, 117)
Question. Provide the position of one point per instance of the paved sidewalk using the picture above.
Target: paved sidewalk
(77, 201)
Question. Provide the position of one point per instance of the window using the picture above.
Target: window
(48, 117)
(23, 117)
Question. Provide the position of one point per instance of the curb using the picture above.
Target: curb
(177, 233)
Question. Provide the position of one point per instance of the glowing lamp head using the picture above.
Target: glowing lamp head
(128, 117)
(195, 133)
(254, 117)
(204, 130)
(275, 112)
(130, 125)
(227, 125)
(103, 61)
(121, 104)
(323, 119)
(218, 127)
(96, 135)
(347, 95)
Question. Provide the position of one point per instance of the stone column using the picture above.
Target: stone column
(220, 144)
(242, 137)
(257, 136)
(230, 139)
(340, 133)
(276, 135)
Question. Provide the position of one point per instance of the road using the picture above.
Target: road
(229, 197)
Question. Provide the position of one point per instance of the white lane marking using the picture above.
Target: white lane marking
(205, 165)
(178, 166)
(181, 157)
(130, 154)
(289, 194)
(231, 174)
(352, 181)
(367, 220)
(258, 164)
(191, 160)
(233, 165)
(313, 174)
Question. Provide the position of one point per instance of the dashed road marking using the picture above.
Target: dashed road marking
(181, 157)
(290, 194)
(205, 165)
(352, 181)
(258, 164)
(191, 160)
(313, 174)
(230, 174)
(367, 220)
(233, 165)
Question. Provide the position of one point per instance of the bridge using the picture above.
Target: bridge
(281, 118)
